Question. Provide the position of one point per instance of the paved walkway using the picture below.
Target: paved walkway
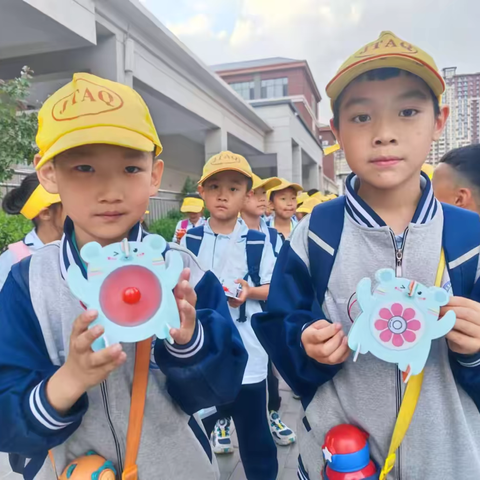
(230, 465)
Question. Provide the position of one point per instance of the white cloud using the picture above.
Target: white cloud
(326, 32)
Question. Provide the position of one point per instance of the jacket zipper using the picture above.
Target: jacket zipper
(398, 373)
(104, 390)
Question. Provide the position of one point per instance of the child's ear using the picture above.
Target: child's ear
(201, 191)
(157, 173)
(441, 121)
(47, 175)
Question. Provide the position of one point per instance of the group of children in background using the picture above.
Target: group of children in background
(58, 395)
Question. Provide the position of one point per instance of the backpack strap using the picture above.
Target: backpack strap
(194, 238)
(254, 248)
(273, 239)
(184, 224)
(325, 232)
(461, 242)
(19, 250)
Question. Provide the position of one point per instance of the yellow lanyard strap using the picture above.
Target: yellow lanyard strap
(410, 399)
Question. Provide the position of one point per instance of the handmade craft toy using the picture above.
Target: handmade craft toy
(89, 467)
(130, 287)
(399, 321)
(347, 455)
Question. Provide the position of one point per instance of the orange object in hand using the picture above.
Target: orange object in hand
(181, 233)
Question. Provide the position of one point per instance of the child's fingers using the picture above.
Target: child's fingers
(467, 328)
(82, 322)
(184, 290)
(341, 354)
(461, 343)
(332, 344)
(184, 334)
(83, 343)
(105, 356)
(325, 332)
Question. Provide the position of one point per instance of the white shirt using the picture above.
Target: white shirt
(226, 257)
(190, 225)
(265, 229)
(7, 259)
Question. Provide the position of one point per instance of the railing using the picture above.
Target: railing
(159, 205)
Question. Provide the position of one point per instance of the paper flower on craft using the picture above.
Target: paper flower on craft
(130, 287)
(399, 320)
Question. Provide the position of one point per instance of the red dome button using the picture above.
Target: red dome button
(131, 295)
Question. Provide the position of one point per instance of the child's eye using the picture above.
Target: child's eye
(408, 112)
(213, 187)
(132, 169)
(361, 118)
(84, 168)
(234, 189)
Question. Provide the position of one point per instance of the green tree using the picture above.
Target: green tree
(18, 127)
(189, 187)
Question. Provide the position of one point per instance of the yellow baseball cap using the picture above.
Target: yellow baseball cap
(388, 51)
(428, 169)
(226, 161)
(310, 204)
(38, 200)
(302, 197)
(286, 184)
(92, 110)
(192, 205)
(267, 183)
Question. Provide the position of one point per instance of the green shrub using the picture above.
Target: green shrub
(175, 215)
(164, 227)
(12, 229)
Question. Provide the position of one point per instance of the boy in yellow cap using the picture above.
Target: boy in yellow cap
(98, 149)
(243, 258)
(283, 201)
(193, 206)
(387, 112)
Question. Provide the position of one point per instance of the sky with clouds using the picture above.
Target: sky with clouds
(323, 32)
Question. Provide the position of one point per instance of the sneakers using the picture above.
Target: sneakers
(220, 439)
(281, 433)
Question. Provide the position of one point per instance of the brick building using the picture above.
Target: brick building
(281, 81)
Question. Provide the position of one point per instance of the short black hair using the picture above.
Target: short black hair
(272, 194)
(248, 180)
(312, 191)
(381, 74)
(15, 199)
(466, 163)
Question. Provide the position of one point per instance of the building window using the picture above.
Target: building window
(275, 88)
(245, 89)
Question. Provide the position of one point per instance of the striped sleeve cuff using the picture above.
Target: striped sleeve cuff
(191, 349)
(45, 417)
(468, 361)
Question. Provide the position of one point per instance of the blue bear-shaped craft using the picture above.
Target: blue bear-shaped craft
(130, 287)
(399, 321)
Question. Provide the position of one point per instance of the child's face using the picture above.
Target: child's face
(285, 203)
(386, 129)
(104, 189)
(224, 194)
(195, 217)
(256, 202)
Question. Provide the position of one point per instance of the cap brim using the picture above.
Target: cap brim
(226, 169)
(403, 62)
(191, 209)
(268, 183)
(295, 186)
(99, 135)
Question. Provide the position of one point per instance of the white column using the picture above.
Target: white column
(216, 141)
(297, 164)
(284, 160)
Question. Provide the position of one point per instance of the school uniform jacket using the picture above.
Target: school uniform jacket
(35, 324)
(443, 441)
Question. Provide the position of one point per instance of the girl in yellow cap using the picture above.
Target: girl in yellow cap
(193, 206)
(45, 211)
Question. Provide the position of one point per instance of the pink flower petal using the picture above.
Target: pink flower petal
(397, 340)
(385, 314)
(381, 325)
(414, 325)
(397, 310)
(409, 336)
(386, 335)
(409, 313)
